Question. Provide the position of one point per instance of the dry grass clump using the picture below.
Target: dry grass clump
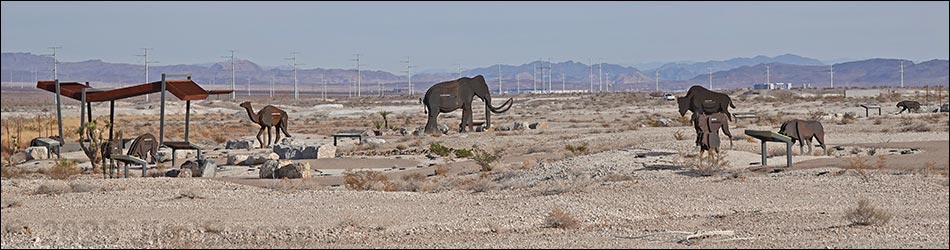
(486, 159)
(863, 168)
(577, 150)
(867, 214)
(441, 170)
(848, 118)
(190, 194)
(916, 127)
(62, 170)
(366, 180)
(709, 165)
(52, 188)
(679, 135)
(560, 219)
(289, 186)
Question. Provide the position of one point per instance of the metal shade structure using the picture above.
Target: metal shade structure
(186, 90)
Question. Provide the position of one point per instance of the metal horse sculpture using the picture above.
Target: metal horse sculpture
(802, 131)
(144, 147)
(449, 96)
(107, 149)
(268, 116)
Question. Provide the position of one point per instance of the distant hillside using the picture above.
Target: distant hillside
(685, 71)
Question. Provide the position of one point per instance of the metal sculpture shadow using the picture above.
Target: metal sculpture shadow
(449, 96)
(909, 106)
(269, 116)
(700, 100)
(802, 131)
(144, 147)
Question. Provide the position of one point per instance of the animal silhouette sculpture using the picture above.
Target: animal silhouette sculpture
(144, 147)
(909, 106)
(710, 126)
(449, 96)
(269, 116)
(802, 130)
(700, 100)
(107, 149)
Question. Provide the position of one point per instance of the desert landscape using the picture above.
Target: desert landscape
(574, 170)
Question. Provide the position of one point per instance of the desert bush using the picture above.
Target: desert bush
(848, 118)
(82, 187)
(881, 162)
(905, 121)
(440, 170)
(816, 115)
(560, 219)
(440, 150)
(679, 135)
(463, 153)
(577, 150)
(867, 214)
(878, 121)
(290, 186)
(63, 169)
(52, 188)
(485, 158)
(712, 164)
(402, 147)
(366, 180)
(214, 226)
(861, 167)
(916, 127)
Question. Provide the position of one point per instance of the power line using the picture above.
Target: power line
(294, 64)
(408, 71)
(233, 93)
(359, 76)
(145, 55)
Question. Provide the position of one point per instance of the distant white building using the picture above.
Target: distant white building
(774, 85)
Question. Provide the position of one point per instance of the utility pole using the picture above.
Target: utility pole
(518, 77)
(590, 64)
(248, 86)
(499, 79)
(534, 82)
(657, 81)
(408, 71)
(145, 55)
(54, 48)
(600, 76)
(563, 85)
(608, 81)
(324, 87)
(902, 74)
(768, 76)
(294, 64)
(459, 65)
(359, 76)
(832, 76)
(233, 94)
(273, 81)
(710, 78)
(379, 87)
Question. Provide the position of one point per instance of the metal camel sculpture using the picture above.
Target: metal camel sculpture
(449, 96)
(268, 116)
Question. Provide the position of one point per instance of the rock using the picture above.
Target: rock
(540, 125)
(666, 122)
(237, 159)
(444, 128)
(163, 155)
(239, 144)
(286, 141)
(267, 170)
(201, 168)
(261, 158)
(504, 128)
(36, 153)
(326, 152)
(374, 141)
(479, 129)
(179, 173)
(368, 132)
(403, 131)
(518, 126)
(296, 170)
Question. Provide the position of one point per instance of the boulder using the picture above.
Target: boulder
(540, 125)
(163, 155)
(296, 170)
(239, 144)
(444, 128)
(261, 158)
(504, 128)
(326, 152)
(403, 131)
(374, 141)
(665, 122)
(237, 159)
(267, 170)
(275, 169)
(201, 168)
(179, 173)
(36, 153)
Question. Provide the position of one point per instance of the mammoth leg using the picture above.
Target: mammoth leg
(432, 123)
(466, 117)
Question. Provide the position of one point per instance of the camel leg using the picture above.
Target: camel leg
(268, 136)
(283, 126)
(276, 133)
(259, 136)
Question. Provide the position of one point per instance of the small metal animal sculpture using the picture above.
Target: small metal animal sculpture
(107, 149)
(449, 96)
(268, 116)
(909, 106)
(709, 126)
(143, 147)
(700, 100)
(802, 131)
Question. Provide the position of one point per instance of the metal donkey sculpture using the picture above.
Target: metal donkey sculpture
(449, 96)
(802, 131)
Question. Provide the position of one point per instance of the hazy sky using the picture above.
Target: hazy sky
(441, 34)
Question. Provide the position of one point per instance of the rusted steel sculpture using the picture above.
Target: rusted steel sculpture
(449, 96)
(909, 106)
(107, 149)
(709, 126)
(143, 147)
(700, 100)
(802, 131)
(267, 117)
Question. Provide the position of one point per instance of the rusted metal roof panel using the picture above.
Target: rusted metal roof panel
(183, 89)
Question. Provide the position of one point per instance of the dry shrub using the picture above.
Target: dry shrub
(881, 162)
(861, 167)
(366, 180)
(848, 118)
(289, 186)
(441, 171)
(62, 170)
(916, 127)
(52, 188)
(214, 226)
(712, 164)
(679, 135)
(11, 172)
(867, 214)
(10, 203)
(440, 150)
(190, 194)
(560, 219)
(577, 150)
(486, 159)
(878, 121)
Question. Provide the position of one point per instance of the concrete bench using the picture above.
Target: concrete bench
(769, 136)
(49, 144)
(358, 135)
(181, 145)
(128, 159)
(745, 116)
(868, 107)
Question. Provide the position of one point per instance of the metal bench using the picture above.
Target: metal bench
(49, 144)
(128, 159)
(181, 145)
(739, 116)
(767, 136)
(868, 107)
(352, 134)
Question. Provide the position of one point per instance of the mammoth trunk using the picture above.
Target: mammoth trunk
(489, 108)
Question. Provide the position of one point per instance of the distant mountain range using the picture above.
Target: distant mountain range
(732, 73)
